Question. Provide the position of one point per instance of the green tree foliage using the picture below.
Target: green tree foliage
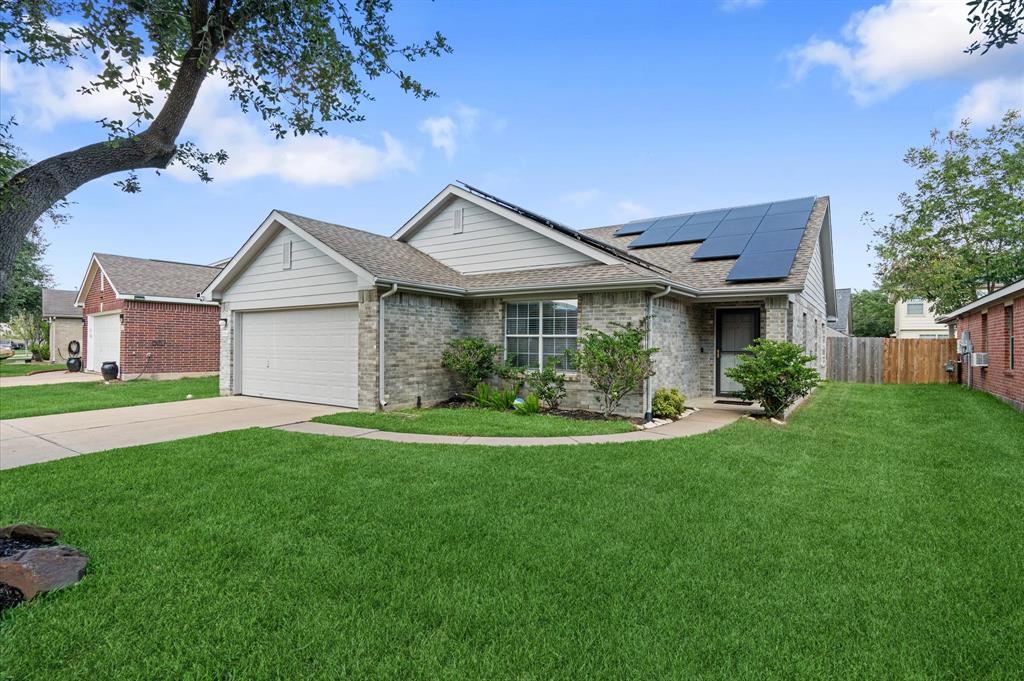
(472, 360)
(962, 229)
(999, 21)
(775, 373)
(872, 315)
(298, 64)
(616, 363)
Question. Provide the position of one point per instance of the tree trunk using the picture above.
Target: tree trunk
(33, 191)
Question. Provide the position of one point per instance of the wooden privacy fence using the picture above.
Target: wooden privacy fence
(889, 360)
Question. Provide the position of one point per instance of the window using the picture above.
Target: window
(537, 333)
(984, 332)
(915, 306)
(1008, 327)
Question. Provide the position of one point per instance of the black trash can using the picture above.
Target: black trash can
(109, 370)
(74, 364)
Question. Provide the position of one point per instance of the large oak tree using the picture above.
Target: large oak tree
(297, 63)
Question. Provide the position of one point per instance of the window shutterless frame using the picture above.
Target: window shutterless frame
(537, 331)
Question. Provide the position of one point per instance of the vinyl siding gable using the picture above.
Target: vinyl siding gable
(489, 243)
(814, 285)
(313, 278)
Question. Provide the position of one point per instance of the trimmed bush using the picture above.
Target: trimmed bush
(548, 385)
(668, 403)
(472, 360)
(617, 363)
(775, 373)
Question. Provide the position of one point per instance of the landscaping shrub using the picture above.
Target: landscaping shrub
(775, 373)
(617, 363)
(512, 376)
(548, 385)
(528, 405)
(40, 351)
(471, 359)
(668, 403)
(493, 398)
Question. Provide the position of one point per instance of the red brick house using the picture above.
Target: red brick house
(990, 338)
(145, 315)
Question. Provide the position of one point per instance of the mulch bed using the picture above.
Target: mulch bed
(459, 402)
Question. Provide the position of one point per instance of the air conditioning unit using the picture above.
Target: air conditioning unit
(979, 359)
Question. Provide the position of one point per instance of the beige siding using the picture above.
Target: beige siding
(909, 325)
(490, 243)
(313, 278)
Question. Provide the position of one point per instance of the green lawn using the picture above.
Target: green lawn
(18, 367)
(37, 400)
(878, 535)
(468, 421)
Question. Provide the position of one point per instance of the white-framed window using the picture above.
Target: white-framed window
(915, 306)
(539, 332)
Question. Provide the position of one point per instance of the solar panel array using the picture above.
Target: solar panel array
(764, 238)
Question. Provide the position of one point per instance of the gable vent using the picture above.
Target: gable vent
(286, 256)
(457, 221)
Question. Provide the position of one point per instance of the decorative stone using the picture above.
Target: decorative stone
(36, 571)
(24, 531)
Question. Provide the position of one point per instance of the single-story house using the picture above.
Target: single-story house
(65, 321)
(990, 334)
(146, 316)
(319, 312)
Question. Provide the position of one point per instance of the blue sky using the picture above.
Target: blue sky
(590, 113)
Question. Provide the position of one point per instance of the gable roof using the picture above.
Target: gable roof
(1014, 289)
(161, 280)
(844, 308)
(60, 303)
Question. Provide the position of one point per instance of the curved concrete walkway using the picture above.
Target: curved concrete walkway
(695, 423)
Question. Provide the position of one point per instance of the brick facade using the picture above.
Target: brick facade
(157, 338)
(989, 333)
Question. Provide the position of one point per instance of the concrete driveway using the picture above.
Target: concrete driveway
(48, 378)
(45, 438)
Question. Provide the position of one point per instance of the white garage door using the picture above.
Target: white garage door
(104, 343)
(303, 355)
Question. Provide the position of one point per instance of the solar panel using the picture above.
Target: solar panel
(761, 266)
(722, 247)
(737, 226)
(708, 216)
(688, 233)
(636, 227)
(765, 242)
(673, 220)
(776, 223)
(757, 211)
(654, 236)
(803, 205)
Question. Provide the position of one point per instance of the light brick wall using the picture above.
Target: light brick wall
(368, 375)
(675, 331)
(1005, 383)
(227, 351)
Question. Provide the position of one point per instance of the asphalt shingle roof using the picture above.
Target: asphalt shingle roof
(60, 303)
(158, 278)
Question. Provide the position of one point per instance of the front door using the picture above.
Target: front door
(735, 329)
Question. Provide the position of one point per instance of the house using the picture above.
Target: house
(993, 325)
(146, 316)
(319, 312)
(842, 324)
(65, 321)
(915, 318)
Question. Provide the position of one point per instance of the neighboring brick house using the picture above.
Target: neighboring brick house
(319, 312)
(993, 325)
(65, 321)
(146, 316)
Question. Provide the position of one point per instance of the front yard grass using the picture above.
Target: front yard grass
(878, 535)
(17, 367)
(472, 421)
(62, 398)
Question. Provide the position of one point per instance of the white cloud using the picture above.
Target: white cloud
(442, 133)
(990, 99)
(887, 47)
(737, 5)
(581, 198)
(631, 210)
(43, 98)
(447, 133)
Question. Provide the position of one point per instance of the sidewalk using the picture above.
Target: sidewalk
(701, 421)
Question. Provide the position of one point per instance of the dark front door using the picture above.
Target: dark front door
(735, 329)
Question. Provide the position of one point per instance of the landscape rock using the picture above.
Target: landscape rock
(42, 535)
(36, 571)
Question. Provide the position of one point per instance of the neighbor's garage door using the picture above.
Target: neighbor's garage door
(304, 355)
(104, 340)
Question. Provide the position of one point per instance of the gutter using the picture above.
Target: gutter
(380, 345)
(648, 393)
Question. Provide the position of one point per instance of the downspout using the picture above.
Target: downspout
(380, 345)
(648, 393)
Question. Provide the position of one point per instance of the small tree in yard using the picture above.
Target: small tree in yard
(473, 360)
(616, 363)
(775, 373)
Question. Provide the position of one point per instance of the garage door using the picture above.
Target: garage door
(303, 355)
(104, 344)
